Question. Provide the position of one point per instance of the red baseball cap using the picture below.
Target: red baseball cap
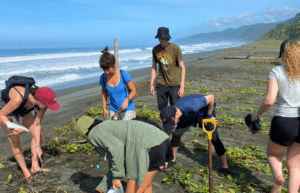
(47, 95)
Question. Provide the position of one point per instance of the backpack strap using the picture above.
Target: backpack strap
(26, 95)
(104, 77)
(126, 86)
(18, 92)
(24, 99)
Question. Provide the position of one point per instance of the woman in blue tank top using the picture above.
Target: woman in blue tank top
(120, 88)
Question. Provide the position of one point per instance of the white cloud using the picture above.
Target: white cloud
(278, 13)
(218, 23)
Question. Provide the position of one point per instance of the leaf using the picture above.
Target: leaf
(9, 177)
(242, 175)
(231, 190)
(1, 166)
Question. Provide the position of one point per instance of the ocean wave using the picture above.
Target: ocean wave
(130, 50)
(44, 70)
(149, 48)
(45, 56)
(202, 47)
(62, 55)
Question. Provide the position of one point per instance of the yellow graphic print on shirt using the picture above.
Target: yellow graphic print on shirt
(165, 60)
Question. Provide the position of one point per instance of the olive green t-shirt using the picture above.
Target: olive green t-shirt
(168, 61)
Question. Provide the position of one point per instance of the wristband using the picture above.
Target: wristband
(38, 147)
(209, 116)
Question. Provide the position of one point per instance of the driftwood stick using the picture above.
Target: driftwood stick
(250, 57)
(250, 53)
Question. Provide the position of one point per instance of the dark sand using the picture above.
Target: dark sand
(77, 172)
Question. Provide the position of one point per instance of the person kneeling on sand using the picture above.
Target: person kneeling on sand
(284, 84)
(187, 112)
(145, 148)
(39, 99)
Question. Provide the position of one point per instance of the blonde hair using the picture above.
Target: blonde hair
(291, 60)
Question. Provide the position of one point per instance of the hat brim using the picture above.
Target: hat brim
(164, 36)
(82, 125)
(168, 125)
(54, 106)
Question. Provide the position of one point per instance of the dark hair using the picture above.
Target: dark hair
(96, 122)
(33, 90)
(107, 60)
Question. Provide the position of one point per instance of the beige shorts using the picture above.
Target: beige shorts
(128, 115)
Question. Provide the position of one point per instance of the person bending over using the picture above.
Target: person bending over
(145, 148)
(187, 112)
(39, 99)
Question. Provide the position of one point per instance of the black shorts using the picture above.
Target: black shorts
(160, 154)
(166, 92)
(285, 130)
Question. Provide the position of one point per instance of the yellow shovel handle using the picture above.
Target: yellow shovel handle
(209, 133)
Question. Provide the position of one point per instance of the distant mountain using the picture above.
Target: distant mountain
(249, 33)
(293, 20)
(285, 30)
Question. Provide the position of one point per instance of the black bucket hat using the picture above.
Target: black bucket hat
(254, 126)
(163, 33)
(166, 115)
(282, 46)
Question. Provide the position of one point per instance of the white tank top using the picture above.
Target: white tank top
(288, 98)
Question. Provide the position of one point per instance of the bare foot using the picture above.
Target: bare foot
(29, 180)
(38, 170)
(278, 185)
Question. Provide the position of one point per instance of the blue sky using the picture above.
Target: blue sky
(73, 23)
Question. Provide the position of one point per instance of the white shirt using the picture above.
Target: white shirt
(288, 97)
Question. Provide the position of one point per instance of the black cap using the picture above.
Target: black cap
(163, 33)
(282, 47)
(166, 115)
(253, 126)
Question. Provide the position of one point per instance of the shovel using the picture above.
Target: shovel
(209, 130)
(116, 114)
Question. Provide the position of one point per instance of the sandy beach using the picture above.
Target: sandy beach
(238, 85)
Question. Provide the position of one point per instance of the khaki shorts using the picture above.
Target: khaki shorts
(128, 115)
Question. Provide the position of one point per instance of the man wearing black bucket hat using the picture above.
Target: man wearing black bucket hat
(187, 112)
(168, 56)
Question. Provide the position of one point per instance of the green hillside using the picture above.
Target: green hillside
(289, 29)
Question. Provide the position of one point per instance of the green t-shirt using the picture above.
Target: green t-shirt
(168, 61)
